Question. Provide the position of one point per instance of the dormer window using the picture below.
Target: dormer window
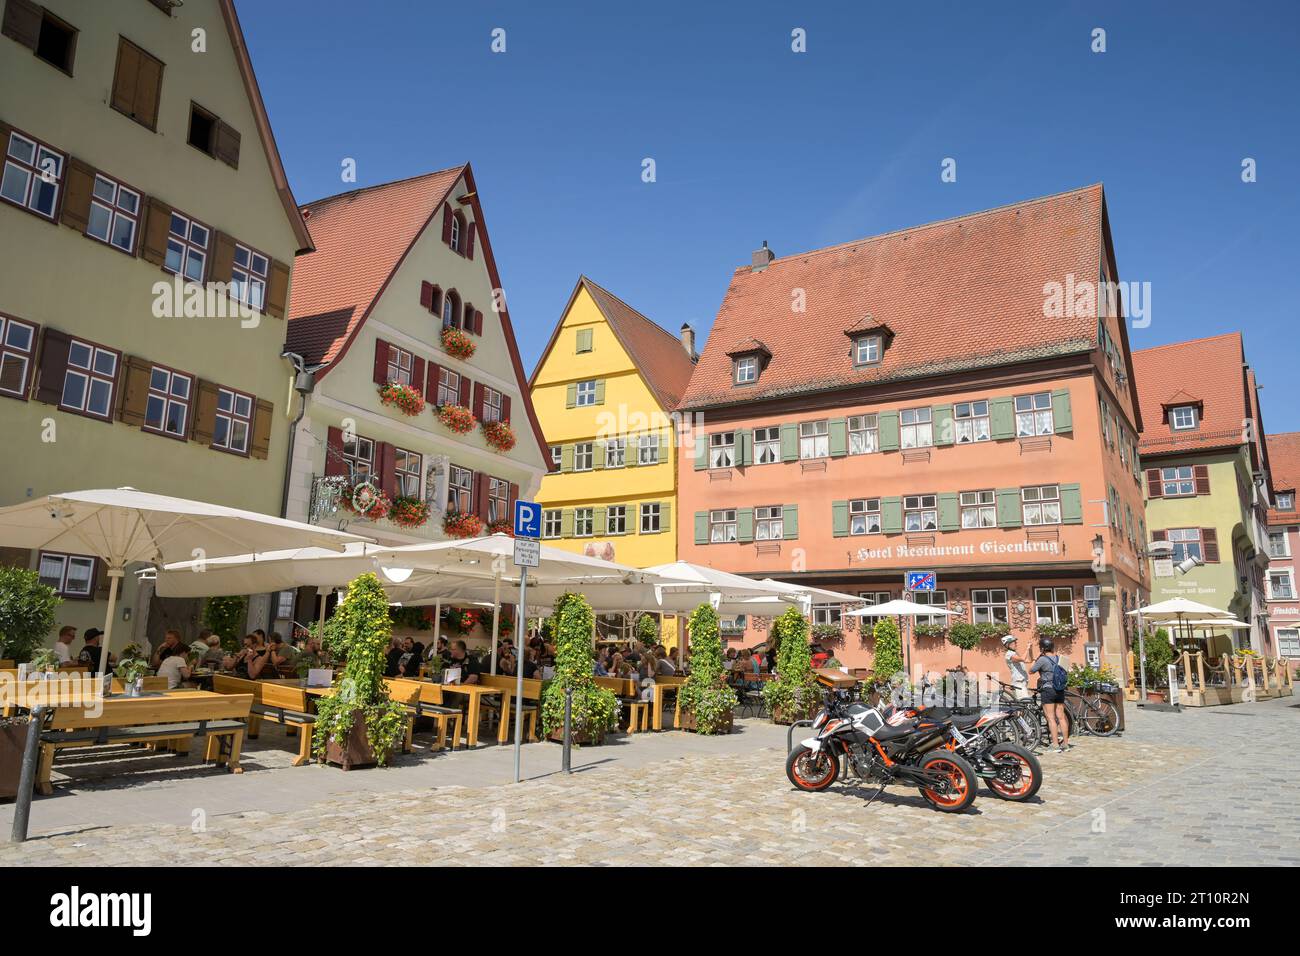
(746, 369)
(455, 232)
(1286, 501)
(1183, 417)
(866, 350)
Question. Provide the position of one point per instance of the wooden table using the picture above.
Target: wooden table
(662, 684)
(476, 693)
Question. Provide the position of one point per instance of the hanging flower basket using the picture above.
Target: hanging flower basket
(405, 398)
(459, 524)
(499, 435)
(366, 500)
(457, 343)
(408, 512)
(464, 620)
(502, 526)
(458, 418)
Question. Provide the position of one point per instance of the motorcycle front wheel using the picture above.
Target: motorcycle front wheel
(811, 771)
(1029, 779)
(962, 782)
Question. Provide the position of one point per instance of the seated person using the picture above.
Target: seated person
(63, 646)
(469, 668)
(253, 660)
(408, 665)
(663, 666)
(214, 654)
(171, 644)
(394, 657)
(281, 653)
(90, 652)
(176, 669)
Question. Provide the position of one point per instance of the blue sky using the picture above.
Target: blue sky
(753, 142)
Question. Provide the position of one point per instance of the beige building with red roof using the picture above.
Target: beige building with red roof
(953, 398)
(1283, 543)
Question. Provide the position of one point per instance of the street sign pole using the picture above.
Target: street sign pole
(528, 518)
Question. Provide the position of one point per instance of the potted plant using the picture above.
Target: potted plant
(405, 398)
(499, 435)
(965, 637)
(457, 418)
(593, 710)
(502, 526)
(929, 631)
(27, 613)
(360, 724)
(707, 702)
(993, 630)
(647, 630)
(13, 737)
(888, 661)
(462, 524)
(44, 661)
(1159, 655)
(408, 512)
(130, 671)
(793, 694)
(827, 632)
(1057, 631)
(457, 343)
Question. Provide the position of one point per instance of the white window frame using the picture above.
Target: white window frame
(493, 404)
(1183, 418)
(249, 277)
(647, 449)
(585, 394)
(234, 409)
(448, 387)
(584, 522)
(1288, 645)
(938, 599)
(584, 456)
(1034, 415)
(1286, 544)
(865, 517)
(498, 492)
(460, 489)
(651, 517)
(767, 450)
(722, 526)
(746, 370)
(66, 562)
(864, 434)
(970, 422)
(36, 170)
(1175, 478)
(188, 246)
(1040, 505)
(915, 427)
(616, 453)
(1186, 542)
(1285, 501)
(90, 374)
(866, 350)
(924, 509)
(814, 440)
(978, 509)
(409, 469)
(557, 454)
(552, 523)
(828, 613)
(11, 352)
(989, 606)
(616, 519)
(401, 365)
(1289, 575)
(769, 523)
(114, 204)
(168, 390)
(722, 450)
(1050, 603)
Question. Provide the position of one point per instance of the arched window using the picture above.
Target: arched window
(455, 232)
(451, 310)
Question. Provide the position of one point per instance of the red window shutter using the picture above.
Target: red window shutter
(1202, 475)
(426, 295)
(53, 366)
(387, 469)
(464, 391)
(431, 374)
(505, 408)
(1210, 545)
(470, 229)
(514, 496)
(1159, 536)
(381, 362)
(417, 372)
(478, 322)
(480, 495)
(437, 302)
(1154, 488)
(446, 223)
(469, 318)
(478, 400)
(334, 463)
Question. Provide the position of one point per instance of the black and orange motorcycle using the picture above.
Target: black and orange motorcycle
(1011, 771)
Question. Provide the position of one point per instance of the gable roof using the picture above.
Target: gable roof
(263, 122)
(959, 294)
(656, 352)
(1284, 460)
(1209, 371)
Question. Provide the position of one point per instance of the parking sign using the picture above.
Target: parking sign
(528, 519)
(921, 581)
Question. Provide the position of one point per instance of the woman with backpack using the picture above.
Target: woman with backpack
(1052, 679)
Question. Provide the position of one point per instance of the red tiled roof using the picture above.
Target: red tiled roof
(958, 294)
(361, 237)
(1284, 458)
(1210, 371)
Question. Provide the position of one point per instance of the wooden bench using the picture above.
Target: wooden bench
(627, 690)
(278, 703)
(423, 699)
(218, 719)
(530, 707)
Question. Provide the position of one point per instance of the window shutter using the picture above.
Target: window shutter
(840, 519)
(701, 452)
(1201, 473)
(566, 458)
(701, 527)
(426, 295)
(891, 515)
(887, 427)
(745, 452)
(600, 391)
(480, 495)
(277, 289)
(1210, 545)
(334, 463)
(432, 372)
(948, 512)
(941, 424)
(478, 322)
(470, 229)
(478, 401)
(584, 340)
(566, 523)
(261, 443)
(1072, 504)
(1062, 416)
(1159, 536)
(666, 516)
(598, 454)
(157, 221)
(134, 394)
(839, 437)
(599, 520)
(790, 522)
(744, 525)
(505, 408)
(227, 147)
(387, 463)
(447, 216)
(1155, 488)
(464, 391)
(1002, 418)
(22, 22)
(381, 362)
(78, 184)
(203, 421)
(514, 496)
(1009, 515)
(417, 373)
(789, 442)
(137, 83)
(54, 365)
(571, 396)
(223, 258)
(124, 77)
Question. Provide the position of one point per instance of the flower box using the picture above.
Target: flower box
(457, 343)
(408, 512)
(366, 500)
(405, 398)
(457, 418)
(462, 525)
(499, 435)
(503, 526)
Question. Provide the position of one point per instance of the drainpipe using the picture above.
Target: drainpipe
(304, 383)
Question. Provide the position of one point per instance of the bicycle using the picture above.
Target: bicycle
(1092, 712)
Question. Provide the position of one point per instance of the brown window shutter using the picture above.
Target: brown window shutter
(223, 258)
(133, 396)
(277, 289)
(478, 323)
(381, 362)
(478, 401)
(481, 495)
(148, 91)
(470, 229)
(437, 302)
(426, 295)
(334, 463)
(22, 22)
(1159, 536)
(158, 217)
(469, 318)
(514, 496)
(446, 223)
(1210, 545)
(432, 370)
(417, 372)
(505, 408)
(387, 469)
(1202, 475)
(227, 148)
(261, 443)
(204, 417)
(1154, 488)
(125, 76)
(78, 185)
(464, 391)
(54, 364)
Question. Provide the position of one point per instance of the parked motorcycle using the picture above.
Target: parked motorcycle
(1010, 770)
(857, 739)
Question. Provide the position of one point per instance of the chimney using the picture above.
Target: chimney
(688, 341)
(762, 257)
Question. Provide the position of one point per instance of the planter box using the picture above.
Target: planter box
(13, 737)
(580, 738)
(355, 750)
(688, 722)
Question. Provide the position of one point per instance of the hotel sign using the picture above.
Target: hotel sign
(893, 552)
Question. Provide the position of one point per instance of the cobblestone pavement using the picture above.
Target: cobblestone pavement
(1212, 786)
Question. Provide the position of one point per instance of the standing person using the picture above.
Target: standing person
(1047, 667)
(63, 646)
(1016, 665)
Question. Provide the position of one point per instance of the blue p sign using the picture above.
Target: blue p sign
(528, 519)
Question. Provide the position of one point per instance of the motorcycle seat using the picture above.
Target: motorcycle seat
(890, 732)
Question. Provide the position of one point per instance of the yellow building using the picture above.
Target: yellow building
(604, 391)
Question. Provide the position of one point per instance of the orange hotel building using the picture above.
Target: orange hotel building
(921, 400)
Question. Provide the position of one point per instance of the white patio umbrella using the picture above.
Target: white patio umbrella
(901, 607)
(1173, 609)
(124, 526)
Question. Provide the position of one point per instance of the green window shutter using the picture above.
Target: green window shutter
(629, 453)
(839, 434)
(840, 519)
(566, 458)
(790, 522)
(566, 523)
(701, 527)
(948, 519)
(941, 417)
(1062, 416)
(571, 396)
(745, 453)
(600, 391)
(1072, 504)
(887, 424)
(600, 521)
(701, 452)
(744, 524)
(665, 516)
(1002, 418)
(1008, 507)
(598, 454)
(891, 515)
(789, 442)
(584, 340)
